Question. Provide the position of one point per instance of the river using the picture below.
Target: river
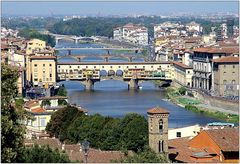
(111, 97)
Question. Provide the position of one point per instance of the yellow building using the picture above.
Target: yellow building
(43, 70)
(35, 45)
(182, 74)
(40, 116)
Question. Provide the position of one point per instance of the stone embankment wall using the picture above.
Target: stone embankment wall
(216, 101)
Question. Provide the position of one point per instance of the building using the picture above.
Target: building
(54, 102)
(183, 74)
(132, 33)
(189, 131)
(226, 76)
(40, 116)
(202, 67)
(33, 45)
(47, 76)
(193, 26)
(209, 146)
(158, 129)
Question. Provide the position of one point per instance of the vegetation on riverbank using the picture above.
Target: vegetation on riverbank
(175, 95)
(30, 33)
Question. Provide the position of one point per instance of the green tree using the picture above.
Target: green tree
(46, 102)
(43, 154)
(60, 120)
(62, 91)
(62, 102)
(12, 132)
(182, 90)
(134, 132)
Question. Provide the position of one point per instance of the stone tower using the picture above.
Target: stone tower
(158, 129)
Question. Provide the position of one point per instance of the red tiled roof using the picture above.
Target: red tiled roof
(228, 50)
(227, 139)
(182, 65)
(38, 110)
(228, 59)
(157, 110)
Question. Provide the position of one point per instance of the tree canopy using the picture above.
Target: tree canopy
(106, 133)
(43, 154)
(12, 131)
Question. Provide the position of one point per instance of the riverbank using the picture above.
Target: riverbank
(178, 97)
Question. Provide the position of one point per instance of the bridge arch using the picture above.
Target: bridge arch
(119, 72)
(111, 73)
(103, 73)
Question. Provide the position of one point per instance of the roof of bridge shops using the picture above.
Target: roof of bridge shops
(112, 63)
(181, 65)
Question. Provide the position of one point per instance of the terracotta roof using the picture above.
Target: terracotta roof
(43, 57)
(179, 150)
(157, 110)
(38, 110)
(228, 59)
(30, 104)
(227, 139)
(74, 153)
(182, 65)
(228, 50)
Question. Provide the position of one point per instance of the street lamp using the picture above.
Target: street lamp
(85, 146)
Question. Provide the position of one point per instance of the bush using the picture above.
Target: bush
(62, 102)
(182, 90)
(46, 103)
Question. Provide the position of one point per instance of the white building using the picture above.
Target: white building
(193, 26)
(189, 131)
(132, 33)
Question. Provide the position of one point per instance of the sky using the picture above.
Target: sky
(114, 8)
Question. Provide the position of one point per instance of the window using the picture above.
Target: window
(110, 66)
(86, 66)
(178, 134)
(50, 75)
(35, 65)
(119, 66)
(78, 66)
(188, 72)
(70, 66)
(161, 146)
(59, 66)
(144, 67)
(135, 66)
(36, 79)
(151, 66)
(50, 65)
(42, 122)
(224, 81)
(127, 66)
(43, 65)
(233, 82)
(160, 125)
(94, 66)
(233, 72)
(224, 72)
(102, 66)
(233, 66)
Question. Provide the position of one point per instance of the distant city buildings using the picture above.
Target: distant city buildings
(132, 33)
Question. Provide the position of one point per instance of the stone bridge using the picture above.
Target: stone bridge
(132, 73)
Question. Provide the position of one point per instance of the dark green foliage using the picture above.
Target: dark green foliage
(145, 156)
(30, 33)
(11, 130)
(43, 154)
(62, 91)
(19, 103)
(106, 133)
(60, 121)
(46, 102)
(182, 90)
(62, 102)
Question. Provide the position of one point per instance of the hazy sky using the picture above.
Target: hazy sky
(115, 8)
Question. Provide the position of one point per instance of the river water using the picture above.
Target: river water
(111, 97)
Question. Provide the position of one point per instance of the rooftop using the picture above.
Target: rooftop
(157, 110)
(228, 50)
(228, 59)
(53, 98)
(182, 65)
(43, 57)
(227, 139)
